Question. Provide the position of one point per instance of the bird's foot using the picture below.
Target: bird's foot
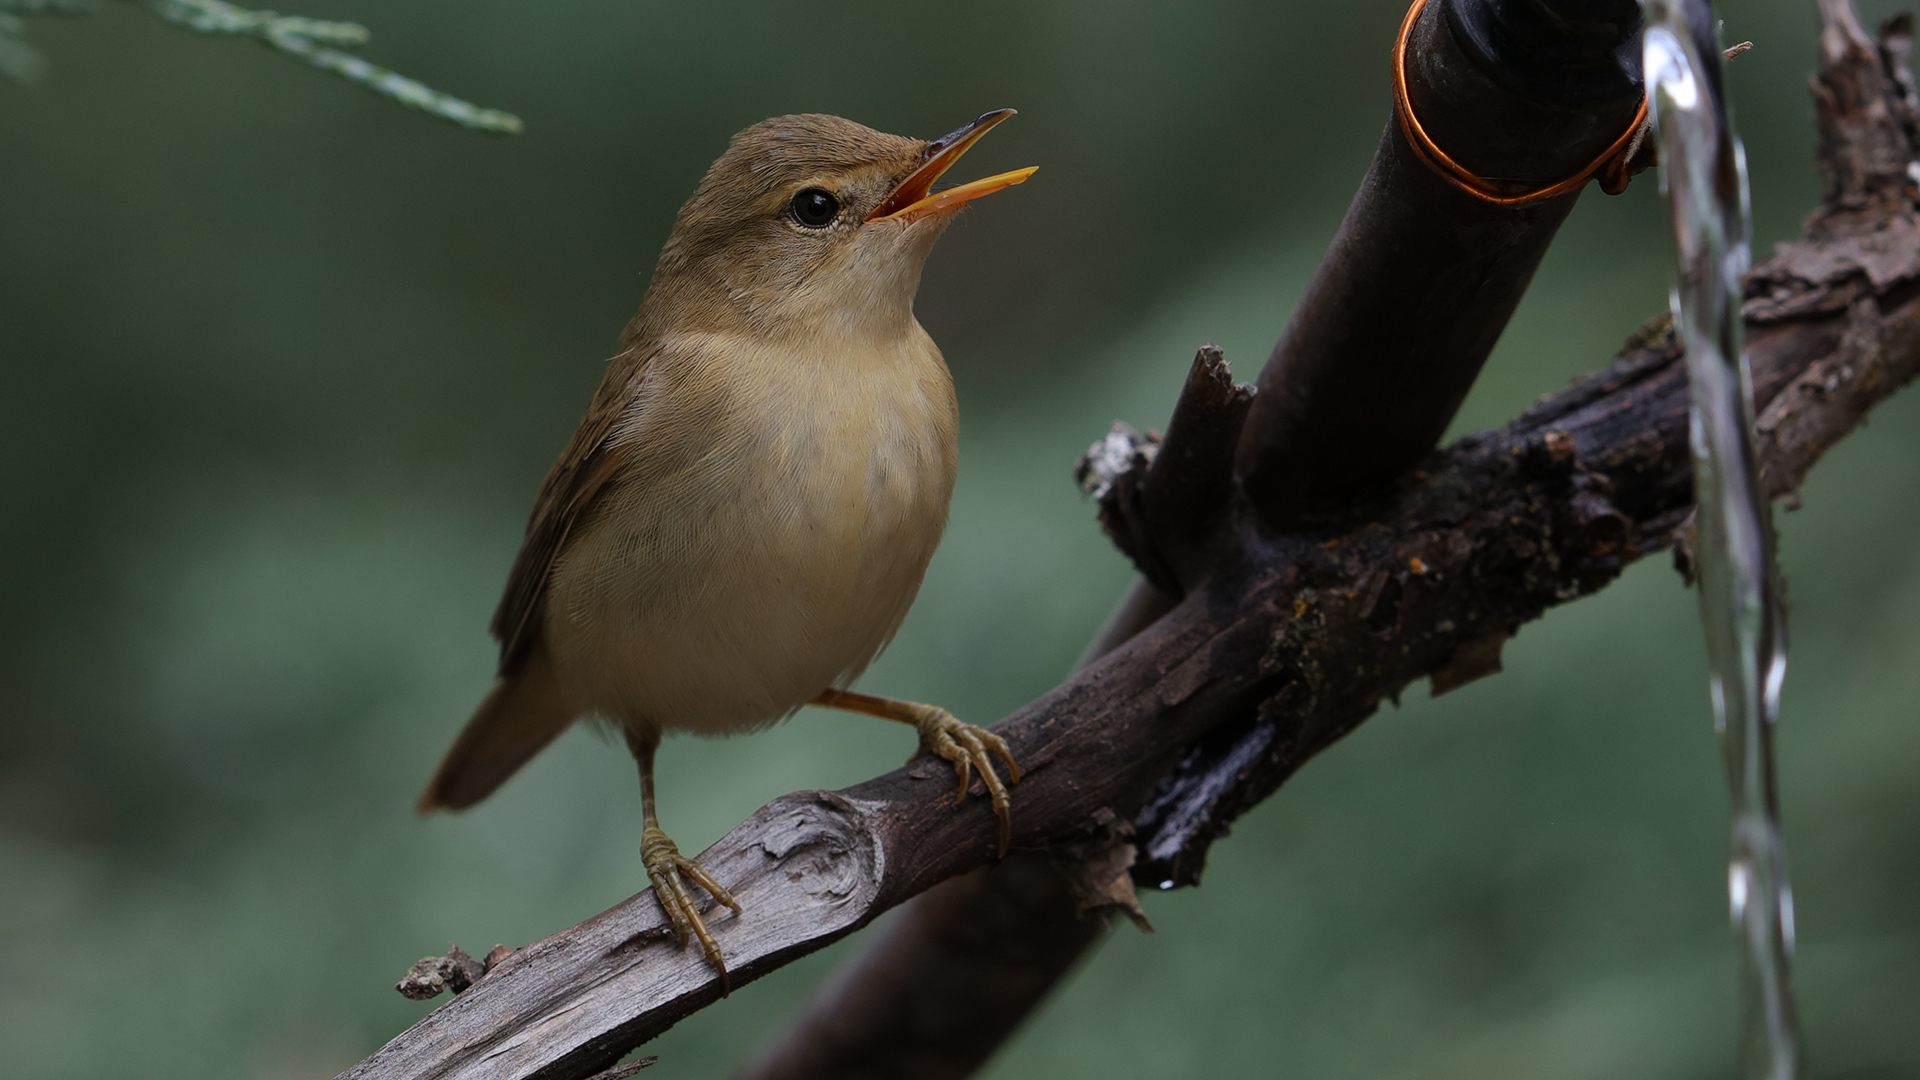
(670, 871)
(969, 747)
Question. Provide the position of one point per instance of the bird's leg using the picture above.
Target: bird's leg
(669, 870)
(943, 735)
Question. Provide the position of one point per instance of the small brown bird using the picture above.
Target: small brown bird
(744, 515)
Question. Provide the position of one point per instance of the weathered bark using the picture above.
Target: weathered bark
(1286, 649)
(1284, 645)
(1839, 293)
(992, 940)
(936, 993)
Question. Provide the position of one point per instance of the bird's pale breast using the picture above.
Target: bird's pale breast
(773, 511)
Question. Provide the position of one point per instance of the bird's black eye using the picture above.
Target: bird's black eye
(815, 208)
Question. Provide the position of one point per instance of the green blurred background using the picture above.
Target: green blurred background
(281, 365)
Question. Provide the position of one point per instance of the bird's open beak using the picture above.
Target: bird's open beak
(914, 198)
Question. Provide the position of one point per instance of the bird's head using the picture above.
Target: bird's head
(811, 223)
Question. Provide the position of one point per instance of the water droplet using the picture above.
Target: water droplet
(1739, 887)
(1776, 678)
(1668, 71)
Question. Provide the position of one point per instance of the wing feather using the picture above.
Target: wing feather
(566, 496)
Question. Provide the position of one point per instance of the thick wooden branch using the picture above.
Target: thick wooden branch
(979, 949)
(1297, 643)
(1840, 295)
(902, 969)
(1286, 645)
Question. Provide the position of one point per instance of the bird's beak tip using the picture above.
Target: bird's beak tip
(913, 198)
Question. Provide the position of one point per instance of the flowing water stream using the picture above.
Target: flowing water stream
(1703, 172)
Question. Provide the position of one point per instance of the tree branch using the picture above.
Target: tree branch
(992, 942)
(1285, 651)
(1856, 265)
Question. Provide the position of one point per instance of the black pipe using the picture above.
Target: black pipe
(1566, 54)
(1422, 276)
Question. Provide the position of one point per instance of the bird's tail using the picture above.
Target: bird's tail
(522, 714)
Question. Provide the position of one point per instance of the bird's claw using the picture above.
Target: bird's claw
(969, 748)
(670, 871)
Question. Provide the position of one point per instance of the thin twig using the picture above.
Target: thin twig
(317, 41)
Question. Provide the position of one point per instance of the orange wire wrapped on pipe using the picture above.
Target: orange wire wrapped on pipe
(1610, 166)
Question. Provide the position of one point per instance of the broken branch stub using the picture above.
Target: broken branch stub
(1162, 498)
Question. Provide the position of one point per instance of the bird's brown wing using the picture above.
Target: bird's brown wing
(525, 710)
(565, 497)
